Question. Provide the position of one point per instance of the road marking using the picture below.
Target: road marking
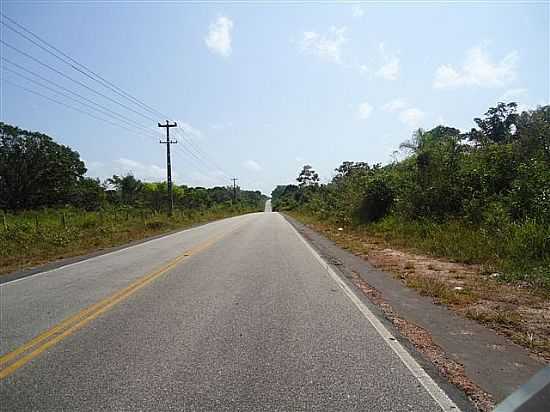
(417, 371)
(115, 252)
(19, 357)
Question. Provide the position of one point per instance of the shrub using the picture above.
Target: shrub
(377, 202)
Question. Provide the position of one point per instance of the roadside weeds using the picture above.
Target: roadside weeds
(23, 248)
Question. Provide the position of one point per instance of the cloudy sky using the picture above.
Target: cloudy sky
(260, 90)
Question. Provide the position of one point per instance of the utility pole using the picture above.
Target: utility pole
(234, 189)
(168, 142)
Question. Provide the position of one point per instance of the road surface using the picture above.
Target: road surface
(238, 314)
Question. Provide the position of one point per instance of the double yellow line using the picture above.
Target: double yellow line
(12, 361)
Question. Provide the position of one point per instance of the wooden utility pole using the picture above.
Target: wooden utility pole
(168, 142)
(234, 189)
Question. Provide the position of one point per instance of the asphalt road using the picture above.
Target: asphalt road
(239, 314)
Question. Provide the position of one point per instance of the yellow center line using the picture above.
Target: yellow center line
(12, 361)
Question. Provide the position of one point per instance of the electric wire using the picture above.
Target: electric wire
(72, 62)
(74, 80)
(194, 151)
(92, 105)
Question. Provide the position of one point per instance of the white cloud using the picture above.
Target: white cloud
(390, 69)
(218, 39)
(328, 47)
(357, 11)
(395, 105)
(364, 110)
(513, 94)
(477, 70)
(148, 172)
(252, 165)
(412, 117)
(189, 131)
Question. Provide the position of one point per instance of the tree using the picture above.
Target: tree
(35, 171)
(89, 194)
(498, 126)
(127, 187)
(308, 177)
(347, 168)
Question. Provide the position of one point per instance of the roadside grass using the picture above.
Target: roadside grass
(469, 272)
(429, 286)
(32, 238)
(520, 253)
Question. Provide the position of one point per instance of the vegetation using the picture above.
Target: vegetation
(481, 196)
(50, 209)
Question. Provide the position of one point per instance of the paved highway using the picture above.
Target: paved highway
(239, 314)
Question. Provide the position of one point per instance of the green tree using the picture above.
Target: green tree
(308, 177)
(35, 171)
(498, 125)
(89, 194)
(127, 187)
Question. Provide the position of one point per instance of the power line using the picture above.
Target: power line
(87, 87)
(95, 77)
(94, 116)
(196, 152)
(74, 80)
(72, 62)
(201, 152)
(198, 158)
(69, 106)
(93, 105)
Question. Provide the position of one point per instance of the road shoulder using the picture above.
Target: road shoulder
(58, 263)
(471, 356)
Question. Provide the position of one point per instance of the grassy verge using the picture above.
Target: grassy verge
(519, 252)
(32, 238)
(518, 309)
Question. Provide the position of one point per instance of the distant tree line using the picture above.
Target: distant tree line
(495, 177)
(37, 172)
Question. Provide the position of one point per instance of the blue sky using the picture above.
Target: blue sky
(261, 89)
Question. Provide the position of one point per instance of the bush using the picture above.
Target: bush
(377, 202)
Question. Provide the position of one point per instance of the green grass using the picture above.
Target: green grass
(35, 237)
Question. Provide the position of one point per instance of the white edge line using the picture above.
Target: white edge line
(418, 372)
(115, 252)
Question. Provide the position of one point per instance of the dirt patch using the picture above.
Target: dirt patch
(515, 311)
(421, 339)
